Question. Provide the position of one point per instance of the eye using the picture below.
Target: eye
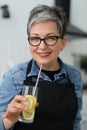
(34, 38)
(51, 38)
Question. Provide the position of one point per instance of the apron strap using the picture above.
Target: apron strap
(29, 67)
(27, 80)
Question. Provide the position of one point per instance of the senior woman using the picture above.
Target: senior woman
(60, 85)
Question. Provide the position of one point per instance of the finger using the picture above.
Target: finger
(16, 107)
(37, 104)
(19, 98)
(4, 115)
(12, 117)
(16, 104)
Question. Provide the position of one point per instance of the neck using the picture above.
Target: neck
(52, 67)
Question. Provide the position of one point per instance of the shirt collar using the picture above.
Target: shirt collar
(63, 68)
(34, 69)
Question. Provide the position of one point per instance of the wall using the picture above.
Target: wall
(13, 37)
(78, 15)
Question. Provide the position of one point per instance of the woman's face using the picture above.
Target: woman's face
(43, 54)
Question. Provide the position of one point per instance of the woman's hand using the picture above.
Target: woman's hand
(10, 117)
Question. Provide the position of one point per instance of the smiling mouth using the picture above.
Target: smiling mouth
(44, 54)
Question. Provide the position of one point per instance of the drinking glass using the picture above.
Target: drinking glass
(31, 98)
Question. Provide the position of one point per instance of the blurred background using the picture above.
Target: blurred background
(13, 37)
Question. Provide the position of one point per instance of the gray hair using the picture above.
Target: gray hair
(43, 13)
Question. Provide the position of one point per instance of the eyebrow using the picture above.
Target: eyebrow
(45, 35)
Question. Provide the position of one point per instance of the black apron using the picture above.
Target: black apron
(57, 108)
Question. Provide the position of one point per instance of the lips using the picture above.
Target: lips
(44, 54)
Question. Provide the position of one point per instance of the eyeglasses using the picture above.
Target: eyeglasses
(49, 41)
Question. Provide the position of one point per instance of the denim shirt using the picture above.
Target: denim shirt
(12, 85)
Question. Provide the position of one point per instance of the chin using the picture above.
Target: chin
(42, 62)
(45, 64)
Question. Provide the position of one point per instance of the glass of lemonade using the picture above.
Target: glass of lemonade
(28, 115)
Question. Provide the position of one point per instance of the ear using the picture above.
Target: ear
(63, 43)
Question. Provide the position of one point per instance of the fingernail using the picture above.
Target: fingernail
(24, 99)
(26, 108)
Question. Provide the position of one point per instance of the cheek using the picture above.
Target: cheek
(57, 49)
(31, 48)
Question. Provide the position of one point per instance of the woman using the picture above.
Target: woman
(60, 85)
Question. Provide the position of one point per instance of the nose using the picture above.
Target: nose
(42, 44)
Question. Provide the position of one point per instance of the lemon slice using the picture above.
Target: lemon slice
(28, 115)
(30, 103)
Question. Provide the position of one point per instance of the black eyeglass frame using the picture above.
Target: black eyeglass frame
(44, 40)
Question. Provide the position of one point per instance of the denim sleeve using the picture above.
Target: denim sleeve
(11, 86)
(78, 90)
(77, 125)
(7, 92)
(1, 124)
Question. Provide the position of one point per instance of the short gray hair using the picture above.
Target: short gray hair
(43, 13)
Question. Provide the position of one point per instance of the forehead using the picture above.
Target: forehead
(44, 27)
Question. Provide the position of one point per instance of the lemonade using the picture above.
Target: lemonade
(28, 115)
(31, 94)
(30, 103)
